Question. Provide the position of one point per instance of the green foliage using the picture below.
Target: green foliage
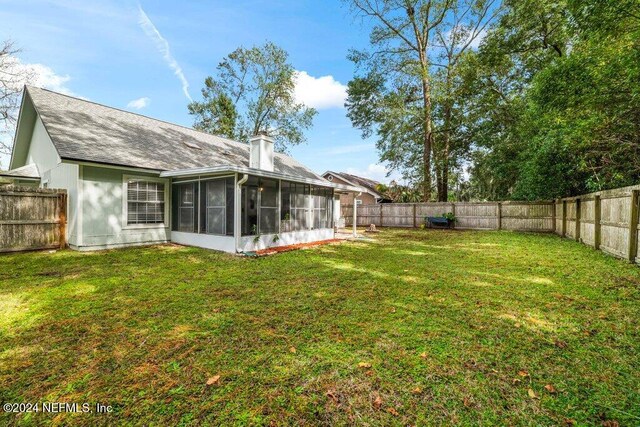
(216, 114)
(449, 216)
(253, 92)
(555, 100)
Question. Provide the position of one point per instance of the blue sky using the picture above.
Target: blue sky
(115, 53)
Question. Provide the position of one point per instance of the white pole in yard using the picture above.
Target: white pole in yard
(355, 216)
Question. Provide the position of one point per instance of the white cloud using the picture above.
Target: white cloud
(376, 172)
(163, 47)
(475, 43)
(319, 92)
(139, 103)
(18, 74)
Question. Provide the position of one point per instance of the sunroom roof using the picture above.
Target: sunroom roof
(217, 170)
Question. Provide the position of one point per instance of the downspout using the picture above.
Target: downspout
(355, 209)
(238, 211)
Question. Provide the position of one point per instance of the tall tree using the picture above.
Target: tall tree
(556, 99)
(253, 92)
(400, 64)
(462, 30)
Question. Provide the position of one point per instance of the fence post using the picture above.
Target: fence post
(578, 216)
(553, 216)
(499, 216)
(62, 218)
(597, 215)
(415, 220)
(381, 209)
(564, 218)
(633, 227)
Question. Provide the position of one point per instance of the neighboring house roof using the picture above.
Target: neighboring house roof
(88, 132)
(28, 172)
(368, 184)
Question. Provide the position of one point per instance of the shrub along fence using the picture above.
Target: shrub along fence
(32, 218)
(605, 220)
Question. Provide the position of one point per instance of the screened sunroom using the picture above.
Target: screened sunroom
(240, 207)
(269, 212)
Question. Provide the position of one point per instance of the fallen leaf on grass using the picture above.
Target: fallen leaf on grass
(523, 373)
(610, 423)
(467, 402)
(423, 355)
(560, 344)
(416, 390)
(292, 350)
(213, 380)
(332, 396)
(532, 394)
(364, 365)
(551, 389)
(377, 402)
(392, 411)
(569, 422)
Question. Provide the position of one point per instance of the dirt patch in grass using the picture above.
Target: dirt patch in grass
(287, 248)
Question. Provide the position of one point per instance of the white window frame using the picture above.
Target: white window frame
(125, 202)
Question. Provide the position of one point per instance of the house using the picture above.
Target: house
(134, 180)
(370, 194)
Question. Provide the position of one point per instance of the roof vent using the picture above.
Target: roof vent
(191, 145)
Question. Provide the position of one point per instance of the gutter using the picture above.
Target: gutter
(238, 211)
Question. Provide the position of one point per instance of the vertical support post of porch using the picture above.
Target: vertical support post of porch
(355, 214)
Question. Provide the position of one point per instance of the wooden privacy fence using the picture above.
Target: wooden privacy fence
(517, 216)
(605, 220)
(32, 218)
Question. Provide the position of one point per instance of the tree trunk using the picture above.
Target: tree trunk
(437, 166)
(443, 192)
(428, 132)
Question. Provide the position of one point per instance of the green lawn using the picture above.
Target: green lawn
(413, 327)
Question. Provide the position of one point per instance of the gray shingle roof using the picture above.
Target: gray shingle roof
(367, 183)
(85, 131)
(29, 171)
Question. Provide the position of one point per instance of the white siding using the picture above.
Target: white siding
(65, 176)
(41, 150)
(248, 244)
(103, 225)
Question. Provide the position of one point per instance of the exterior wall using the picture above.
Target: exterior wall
(65, 175)
(41, 150)
(207, 241)
(347, 199)
(55, 174)
(101, 221)
(247, 243)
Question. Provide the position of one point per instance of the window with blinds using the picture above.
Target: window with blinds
(145, 202)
